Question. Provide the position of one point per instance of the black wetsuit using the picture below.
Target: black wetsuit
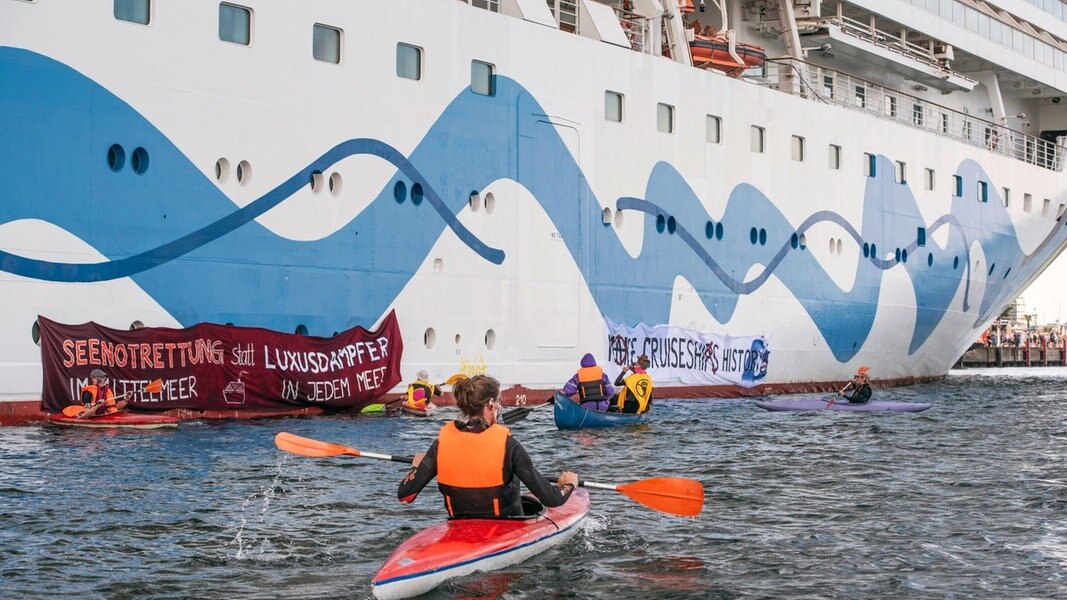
(517, 467)
(861, 395)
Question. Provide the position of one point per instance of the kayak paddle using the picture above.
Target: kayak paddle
(517, 414)
(75, 410)
(672, 495)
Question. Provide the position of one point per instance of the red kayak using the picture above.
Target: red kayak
(119, 419)
(460, 547)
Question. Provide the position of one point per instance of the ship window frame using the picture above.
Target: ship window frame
(403, 62)
(619, 97)
(249, 27)
(957, 190)
(797, 148)
(713, 129)
(920, 237)
(870, 164)
(757, 142)
(931, 179)
(1006, 199)
(900, 172)
(1045, 206)
(835, 157)
(317, 53)
(130, 5)
(664, 118)
(1028, 202)
(481, 84)
(983, 191)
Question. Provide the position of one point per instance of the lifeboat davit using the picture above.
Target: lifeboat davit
(714, 53)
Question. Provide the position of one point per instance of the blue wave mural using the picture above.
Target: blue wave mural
(204, 259)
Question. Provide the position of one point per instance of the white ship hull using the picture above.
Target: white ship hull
(519, 280)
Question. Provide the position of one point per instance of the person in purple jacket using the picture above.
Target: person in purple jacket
(591, 384)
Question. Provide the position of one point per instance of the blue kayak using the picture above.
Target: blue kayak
(570, 415)
(843, 405)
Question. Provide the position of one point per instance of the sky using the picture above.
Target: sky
(1047, 296)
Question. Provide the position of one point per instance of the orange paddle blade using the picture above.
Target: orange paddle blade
(674, 495)
(309, 447)
(154, 387)
(73, 410)
(453, 380)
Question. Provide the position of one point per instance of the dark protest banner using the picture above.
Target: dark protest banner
(219, 367)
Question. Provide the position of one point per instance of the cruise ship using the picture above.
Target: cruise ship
(758, 194)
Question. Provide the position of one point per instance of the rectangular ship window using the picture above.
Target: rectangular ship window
(714, 129)
(920, 237)
(408, 61)
(901, 172)
(235, 24)
(482, 78)
(930, 178)
(1027, 201)
(983, 191)
(134, 11)
(957, 182)
(664, 118)
(798, 148)
(869, 164)
(917, 114)
(835, 157)
(1045, 206)
(326, 43)
(613, 106)
(757, 139)
(1007, 198)
(891, 106)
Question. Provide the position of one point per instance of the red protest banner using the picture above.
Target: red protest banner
(219, 367)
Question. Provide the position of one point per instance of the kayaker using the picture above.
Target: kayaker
(860, 386)
(591, 384)
(421, 392)
(98, 397)
(478, 464)
(635, 390)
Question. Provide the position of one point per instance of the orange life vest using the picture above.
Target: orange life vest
(591, 384)
(108, 399)
(470, 470)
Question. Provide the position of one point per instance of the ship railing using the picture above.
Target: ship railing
(635, 27)
(882, 39)
(858, 94)
(490, 5)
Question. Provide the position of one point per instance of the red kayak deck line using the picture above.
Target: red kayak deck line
(121, 419)
(463, 546)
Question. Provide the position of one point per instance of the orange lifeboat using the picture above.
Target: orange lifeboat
(714, 52)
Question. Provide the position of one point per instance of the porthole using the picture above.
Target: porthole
(475, 201)
(335, 183)
(930, 259)
(874, 251)
(301, 329)
(803, 241)
(490, 203)
(753, 236)
(244, 172)
(709, 230)
(457, 339)
(904, 255)
(416, 194)
(718, 231)
(896, 254)
(672, 225)
(317, 181)
(490, 339)
(605, 217)
(832, 245)
(429, 339)
(866, 250)
(400, 191)
(139, 160)
(618, 219)
(222, 170)
(116, 157)
(438, 265)
(762, 237)
(661, 223)
(1006, 273)
(991, 268)
(35, 332)
(136, 325)
(955, 262)
(794, 241)
(840, 247)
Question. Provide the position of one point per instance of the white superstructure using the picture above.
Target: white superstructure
(871, 185)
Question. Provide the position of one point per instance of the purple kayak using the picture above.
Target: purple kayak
(842, 404)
